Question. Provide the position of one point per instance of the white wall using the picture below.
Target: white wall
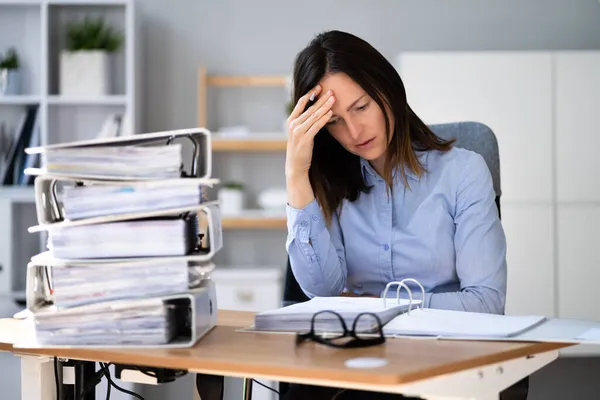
(543, 108)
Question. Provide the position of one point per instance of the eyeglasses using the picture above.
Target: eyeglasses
(342, 337)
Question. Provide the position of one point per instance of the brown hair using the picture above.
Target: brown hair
(335, 173)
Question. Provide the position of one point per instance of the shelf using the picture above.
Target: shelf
(20, 100)
(255, 219)
(205, 80)
(247, 80)
(112, 100)
(259, 142)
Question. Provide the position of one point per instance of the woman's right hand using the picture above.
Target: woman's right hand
(302, 128)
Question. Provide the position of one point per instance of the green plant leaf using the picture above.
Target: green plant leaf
(10, 60)
(92, 34)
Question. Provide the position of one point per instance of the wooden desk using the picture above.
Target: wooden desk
(423, 367)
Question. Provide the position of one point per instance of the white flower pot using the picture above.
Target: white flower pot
(231, 201)
(84, 73)
(9, 81)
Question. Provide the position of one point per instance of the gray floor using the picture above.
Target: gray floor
(566, 378)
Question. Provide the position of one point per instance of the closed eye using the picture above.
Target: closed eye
(363, 107)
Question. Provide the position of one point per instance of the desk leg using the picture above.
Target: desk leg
(37, 378)
(247, 389)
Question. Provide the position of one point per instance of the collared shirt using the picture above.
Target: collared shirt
(443, 230)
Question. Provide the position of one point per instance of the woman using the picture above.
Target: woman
(375, 196)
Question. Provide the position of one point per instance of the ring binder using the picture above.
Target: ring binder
(201, 165)
(189, 317)
(46, 198)
(201, 252)
(400, 285)
(40, 286)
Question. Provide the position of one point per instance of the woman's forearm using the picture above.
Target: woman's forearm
(299, 190)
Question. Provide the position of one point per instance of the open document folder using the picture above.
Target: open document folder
(408, 318)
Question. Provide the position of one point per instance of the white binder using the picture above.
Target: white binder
(65, 284)
(413, 320)
(200, 138)
(46, 191)
(193, 315)
(212, 217)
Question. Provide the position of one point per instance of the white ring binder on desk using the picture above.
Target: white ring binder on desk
(65, 284)
(80, 234)
(176, 320)
(88, 198)
(130, 242)
(73, 159)
(409, 318)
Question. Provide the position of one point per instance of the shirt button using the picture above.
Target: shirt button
(304, 224)
(386, 247)
(315, 217)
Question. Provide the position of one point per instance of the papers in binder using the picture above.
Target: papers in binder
(297, 317)
(79, 202)
(196, 233)
(148, 156)
(130, 161)
(399, 317)
(152, 238)
(71, 284)
(174, 320)
(433, 322)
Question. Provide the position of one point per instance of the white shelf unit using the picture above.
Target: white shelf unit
(543, 107)
(36, 29)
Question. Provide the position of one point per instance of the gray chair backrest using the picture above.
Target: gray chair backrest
(477, 137)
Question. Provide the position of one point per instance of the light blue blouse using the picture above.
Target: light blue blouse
(443, 230)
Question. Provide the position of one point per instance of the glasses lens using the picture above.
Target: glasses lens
(366, 326)
(328, 325)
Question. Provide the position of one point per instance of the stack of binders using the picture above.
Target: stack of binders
(131, 237)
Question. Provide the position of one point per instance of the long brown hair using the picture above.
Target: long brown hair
(335, 173)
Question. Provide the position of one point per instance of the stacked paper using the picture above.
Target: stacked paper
(299, 317)
(128, 256)
(138, 238)
(93, 201)
(118, 162)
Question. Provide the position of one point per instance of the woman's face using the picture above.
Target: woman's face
(357, 122)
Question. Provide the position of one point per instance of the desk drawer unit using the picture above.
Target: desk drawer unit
(248, 289)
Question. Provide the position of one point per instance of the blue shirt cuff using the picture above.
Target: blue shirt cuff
(305, 223)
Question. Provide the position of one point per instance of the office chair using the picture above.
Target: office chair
(469, 135)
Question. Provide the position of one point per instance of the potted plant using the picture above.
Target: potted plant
(9, 72)
(231, 197)
(84, 64)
